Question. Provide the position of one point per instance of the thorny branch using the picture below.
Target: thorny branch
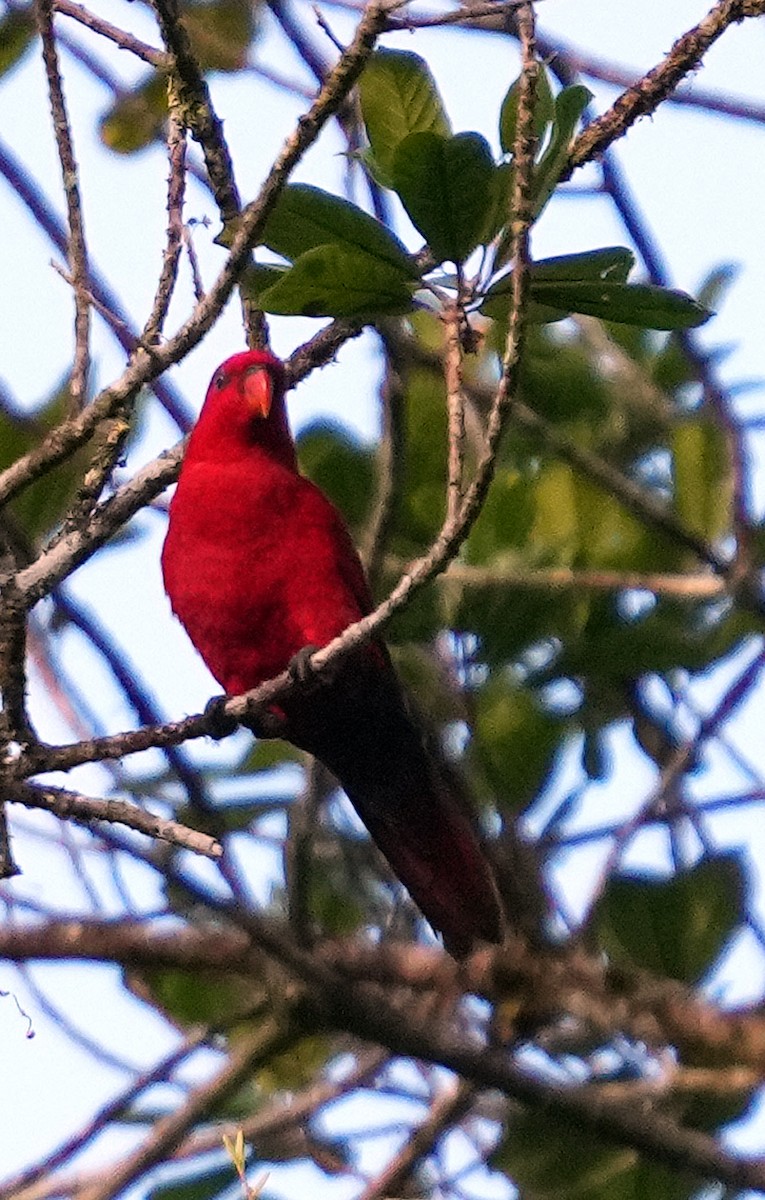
(664, 1139)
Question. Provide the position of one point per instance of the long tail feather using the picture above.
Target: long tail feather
(360, 727)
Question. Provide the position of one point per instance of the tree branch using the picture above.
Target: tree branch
(647, 94)
(77, 254)
(88, 811)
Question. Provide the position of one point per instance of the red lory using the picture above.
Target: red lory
(259, 565)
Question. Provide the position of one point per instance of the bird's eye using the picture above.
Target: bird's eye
(220, 380)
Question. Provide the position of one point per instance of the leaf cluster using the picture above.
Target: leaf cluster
(345, 263)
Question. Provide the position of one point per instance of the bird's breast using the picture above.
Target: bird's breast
(254, 572)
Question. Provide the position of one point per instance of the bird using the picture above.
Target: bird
(261, 569)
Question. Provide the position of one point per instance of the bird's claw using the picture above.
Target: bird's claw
(266, 724)
(219, 723)
(301, 668)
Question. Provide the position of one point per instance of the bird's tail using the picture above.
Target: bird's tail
(361, 728)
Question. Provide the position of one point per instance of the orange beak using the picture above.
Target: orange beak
(258, 391)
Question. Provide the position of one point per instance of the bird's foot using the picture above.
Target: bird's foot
(267, 723)
(302, 670)
(219, 723)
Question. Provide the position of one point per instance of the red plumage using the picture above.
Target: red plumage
(258, 564)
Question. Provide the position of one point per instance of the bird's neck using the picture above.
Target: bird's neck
(216, 440)
(272, 439)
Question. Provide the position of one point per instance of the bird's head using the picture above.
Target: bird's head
(252, 380)
(244, 406)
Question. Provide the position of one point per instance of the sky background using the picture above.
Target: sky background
(700, 180)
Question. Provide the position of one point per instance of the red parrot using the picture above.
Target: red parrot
(259, 565)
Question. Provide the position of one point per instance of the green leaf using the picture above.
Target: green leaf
(298, 1066)
(267, 754)
(544, 110)
(503, 524)
(445, 186)
(398, 97)
(641, 304)
(306, 217)
(516, 742)
(611, 537)
(259, 276)
(678, 926)
(550, 1157)
(188, 998)
(17, 32)
(713, 289)
(498, 215)
(136, 119)
(703, 476)
(40, 507)
(669, 637)
(555, 533)
(220, 33)
(569, 106)
(560, 381)
(612, 263)
(335, 281)
(335, 911)
(420, 508)
(203, 1185)
(340, 467)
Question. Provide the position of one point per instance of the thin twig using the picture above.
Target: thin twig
(89, 811)
(145, 366)
(447, 1109)
(593, 67)
(108, 303)
(678, 764)
(690, 587)
(19, 1185)
(190, 99)
(455, 407)
(647, 94)
(126, 677)
(252, 1050)
(59, 559)
(299, 851)
(176, 191)
(77, 253)
(120, 37)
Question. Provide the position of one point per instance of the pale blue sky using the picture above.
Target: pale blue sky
(701, 183)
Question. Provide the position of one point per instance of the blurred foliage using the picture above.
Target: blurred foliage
(676, 927)
(552, 1159)
(17, 33)
(510, 669)
(221, 34)
(41, 506)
